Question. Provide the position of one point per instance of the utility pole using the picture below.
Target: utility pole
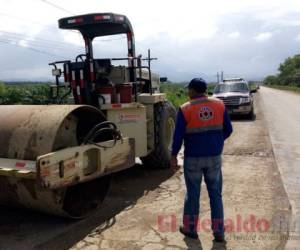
(222, 76)
(218, 77)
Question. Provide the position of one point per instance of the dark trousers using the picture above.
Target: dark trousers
(194, 169)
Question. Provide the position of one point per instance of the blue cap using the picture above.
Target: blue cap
(197, 84)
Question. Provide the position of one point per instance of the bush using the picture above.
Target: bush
(271, 80)
(289, 73)
(176, 93)
(25, 94)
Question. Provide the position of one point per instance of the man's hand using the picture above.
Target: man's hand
(174, 163)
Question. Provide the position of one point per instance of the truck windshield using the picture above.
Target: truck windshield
(233, 87)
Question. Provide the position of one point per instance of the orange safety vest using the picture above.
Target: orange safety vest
(203, 114)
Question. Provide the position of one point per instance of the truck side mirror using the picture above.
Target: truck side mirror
(210, 93)
(163, 79)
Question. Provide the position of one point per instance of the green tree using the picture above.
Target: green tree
(14, 95)
(271, 80)
(2, 92)
(289, 71)
(2, 88)
(37, 94)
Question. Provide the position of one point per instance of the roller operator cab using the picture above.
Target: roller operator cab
(97, 81)
(59, 158)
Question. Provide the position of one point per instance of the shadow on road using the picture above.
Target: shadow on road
(193, 243)
(242, 118)
(21, 229)
(219, 246)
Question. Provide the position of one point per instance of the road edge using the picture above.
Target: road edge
(290, 244)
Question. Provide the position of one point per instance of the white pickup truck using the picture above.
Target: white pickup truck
(237, 97)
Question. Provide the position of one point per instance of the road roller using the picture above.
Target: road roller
(104, 114)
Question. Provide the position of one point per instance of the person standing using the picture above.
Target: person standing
(203, 124)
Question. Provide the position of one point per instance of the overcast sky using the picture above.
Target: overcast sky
(191, 38)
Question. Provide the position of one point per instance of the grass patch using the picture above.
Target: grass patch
(282, 87)
(27, 93)
(177, 94)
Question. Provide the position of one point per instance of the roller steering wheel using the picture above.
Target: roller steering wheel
(80, 57)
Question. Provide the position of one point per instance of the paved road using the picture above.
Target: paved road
(144, 208)
(282, 111)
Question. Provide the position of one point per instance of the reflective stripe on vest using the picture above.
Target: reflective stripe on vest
(203, 114)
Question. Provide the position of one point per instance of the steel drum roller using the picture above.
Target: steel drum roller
(27, 131)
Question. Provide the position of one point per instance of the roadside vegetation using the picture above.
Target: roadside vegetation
(177, 93)
(288, 77)
(25, 93)
(39, 93)
(285, 87)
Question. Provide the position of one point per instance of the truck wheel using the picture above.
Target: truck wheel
(251, 115)
(164, 125)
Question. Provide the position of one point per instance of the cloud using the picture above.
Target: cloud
(23, 43)
(193, 38)
(234, 35)
(297, 37)
(262, 37)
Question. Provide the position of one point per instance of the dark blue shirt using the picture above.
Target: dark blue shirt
(209, 143)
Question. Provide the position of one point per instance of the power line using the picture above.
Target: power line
(63, 44)
(57, 7)
(20, 36)
(27, 20)
(51, 27)
(36, 44)
(30, 48)
(13, 41)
